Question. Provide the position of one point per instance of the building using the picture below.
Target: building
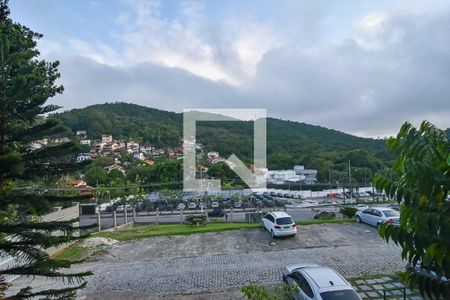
(81, 134)
(85, 142)
(138, 155)
(107, 138)
(213, 154)
(115, 167)
(282, 176)
(61, 140)
(309, 174)
(83, 156)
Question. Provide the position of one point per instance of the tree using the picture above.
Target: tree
(96, 175)
(420, 181)
(25, 85)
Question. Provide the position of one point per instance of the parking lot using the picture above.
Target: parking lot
(215, 262)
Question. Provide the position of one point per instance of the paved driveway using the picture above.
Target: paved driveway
(217, 262)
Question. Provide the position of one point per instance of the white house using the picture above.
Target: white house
(212, 155)
(81, 133)
(107, 138)
(309, 174)
(138, 155)
(85, 142)
(282, 176)
(83, 156)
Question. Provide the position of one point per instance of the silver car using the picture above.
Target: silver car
(315, 282)
(378, 215)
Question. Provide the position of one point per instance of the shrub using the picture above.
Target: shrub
(196, 219)
(348, 211)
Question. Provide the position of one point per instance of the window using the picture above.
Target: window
(303, 284)
(391, 213)
(284, 221)
(367, 211)
(270, 218)
(340, 295)
(377, 213)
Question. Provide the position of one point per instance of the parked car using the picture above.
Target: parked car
(181, 206)
(216, 212)
(279, 224)
(418, 269)
(315, 282)
(394, 206)
(237, 204)
(377, 215)
(268, 203)
(192, 205)
(340, 196)
(324, 214)
(215, 204)
(362, 207)
(246, 204)
(121, 208)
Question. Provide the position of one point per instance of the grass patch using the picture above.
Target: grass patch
(74, 252)
(184, 229)
(171, 229)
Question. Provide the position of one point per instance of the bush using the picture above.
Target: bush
(196, 219)
(348, 211)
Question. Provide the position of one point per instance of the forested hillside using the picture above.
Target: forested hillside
(288, 142)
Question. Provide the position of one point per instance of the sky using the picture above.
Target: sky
(359, 66)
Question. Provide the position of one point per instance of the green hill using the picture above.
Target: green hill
(288, 142)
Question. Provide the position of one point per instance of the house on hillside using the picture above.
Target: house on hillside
(107, 138)
(85, 142)
(83, 156)
(115, 166)
(81, 134)
(138, 155)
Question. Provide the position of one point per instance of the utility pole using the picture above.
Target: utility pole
(350, 181)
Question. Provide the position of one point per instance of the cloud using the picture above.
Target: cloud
(387, 66)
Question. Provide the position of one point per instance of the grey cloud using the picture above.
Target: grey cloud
(346, 85)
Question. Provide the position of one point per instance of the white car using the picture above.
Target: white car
(215, 204)
(314, 282)
(121, 208)
(362, 207)
(377, 215)
(192, 205)
(279, 224)
(181, 206)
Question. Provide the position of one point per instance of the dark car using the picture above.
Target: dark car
(268, 203)
(216, 212)
(246, 204)
(324, 214)
(394, 207)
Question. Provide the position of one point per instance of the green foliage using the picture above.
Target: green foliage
(348, 211)
(196, 219)
(25, 84)
(288, 143)
(420, 180)
(96, 175)
(280, 292)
